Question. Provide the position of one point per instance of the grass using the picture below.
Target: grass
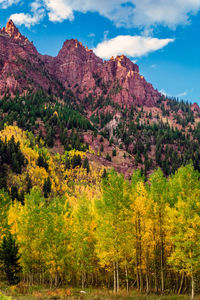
(25, 292)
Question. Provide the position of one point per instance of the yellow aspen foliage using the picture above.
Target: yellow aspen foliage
(74, 152)
(5, 204)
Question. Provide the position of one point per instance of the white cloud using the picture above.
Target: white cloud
(59, 10)
(144, 13)
(91, 35)
(183, 94)
(6, 3)
(134, 46)
(166, 12)
(26, 19)
(37, 14)
(129, 13)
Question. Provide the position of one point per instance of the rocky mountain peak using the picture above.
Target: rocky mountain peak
(74, 47)
(12, 30)
(13, 33)
(125, 62)
(75, 67)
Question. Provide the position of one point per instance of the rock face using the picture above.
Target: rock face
(75, 67)
(21, 66)
(81, 70)
(195, 107)
(128, 86)
(13, 33)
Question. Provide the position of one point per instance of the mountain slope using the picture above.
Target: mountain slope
(79, 68)
(76, 100)
(75, 67)
(21, 67)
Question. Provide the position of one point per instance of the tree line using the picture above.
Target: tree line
(118, 234)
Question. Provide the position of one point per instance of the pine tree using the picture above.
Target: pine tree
(67, 163)
(108, 157)
(14, 193)
(47, 187)
(104, 175)
(114, 153)
(10, 259)
(76, 161)
(21, 197)
(29, 184)
(86, 165)
(3, 175)
(101, 148)
(41, 162)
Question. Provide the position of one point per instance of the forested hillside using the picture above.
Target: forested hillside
(166, 136)
(76, 226)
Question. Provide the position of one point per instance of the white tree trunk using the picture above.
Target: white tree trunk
(126, 273)
(193, 286)
(114, 277)
(117, 268)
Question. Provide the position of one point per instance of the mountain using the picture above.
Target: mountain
(75, 67)
(68, 220)
(21, 66)
(78, 101)
(79, 68)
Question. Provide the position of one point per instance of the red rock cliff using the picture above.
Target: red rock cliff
(76, 67)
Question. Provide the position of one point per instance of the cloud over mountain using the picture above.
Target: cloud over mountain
(133, 46)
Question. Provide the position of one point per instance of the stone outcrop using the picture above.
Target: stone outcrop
(75, 67)
(128, 87)
(13, 33)
(81, 70)
(195, 107)
(21, 66)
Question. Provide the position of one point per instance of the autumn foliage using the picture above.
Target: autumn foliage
(80, 226)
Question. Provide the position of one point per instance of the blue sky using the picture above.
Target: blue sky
(162, 36)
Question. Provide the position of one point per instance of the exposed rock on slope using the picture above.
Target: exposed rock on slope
(21, 67)
(75, 67)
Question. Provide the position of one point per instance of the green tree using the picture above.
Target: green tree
(67, 162)
(47, 187)
(5, 203)
(41, 162)
(113, 210)
(83, 239)
(186, 227)
(28, 183)
(104, 173)
(14, 193)
(10, 259)
(108, 157)
(76, 161)
(86, 164)
(101, 148)
(114, 153)
(157, 193)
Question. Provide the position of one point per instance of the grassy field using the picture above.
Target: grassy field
(25, 292)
